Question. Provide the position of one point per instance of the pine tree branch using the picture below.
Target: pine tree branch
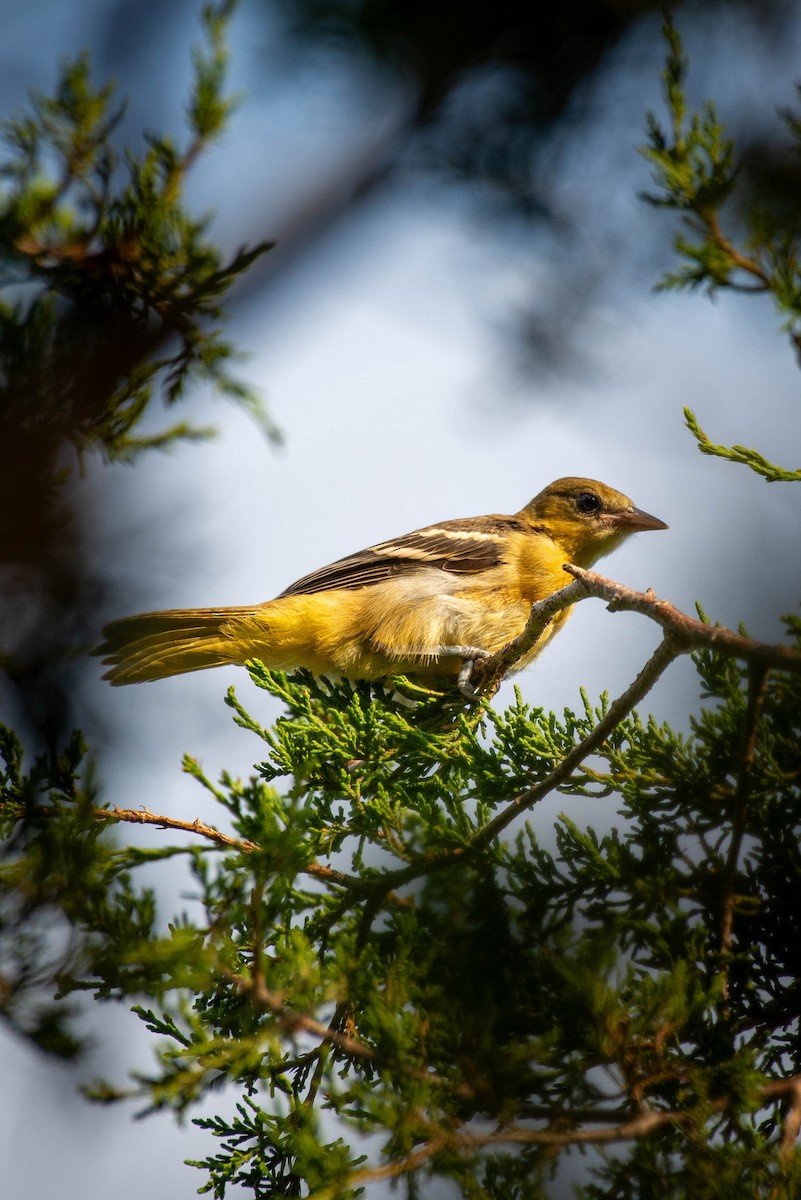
(292, 1021)
(638, 1125)
(682, 634)
(487, 673)
(690, 632)
(390, 1170)
(742, 262)
(143, 816)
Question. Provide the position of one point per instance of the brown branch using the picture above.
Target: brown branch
(636, 1126)
(662, 657)
(390, 1170)
(468, 1142)
(143, 816)
(696, 635)
(292, 1022)
(739, 260)
(687, 632)
(487, 673)
(682, 633)
(660, 660)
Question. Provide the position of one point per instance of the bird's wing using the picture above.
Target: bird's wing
(461, 547)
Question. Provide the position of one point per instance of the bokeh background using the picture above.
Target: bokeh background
(460, 308)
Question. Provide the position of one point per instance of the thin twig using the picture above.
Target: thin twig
(487, 673)
(683, 633)
(696, 634)
(292, 1021)
(667, 650)
(390, 1170)
(791, 1126)
(639, 1125)
(740, 260)
(143, 816)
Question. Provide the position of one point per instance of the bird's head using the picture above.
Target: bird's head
(587, 518)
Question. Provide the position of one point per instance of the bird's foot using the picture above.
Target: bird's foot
(470, 654)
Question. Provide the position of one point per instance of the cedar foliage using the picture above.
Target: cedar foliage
(113, 291)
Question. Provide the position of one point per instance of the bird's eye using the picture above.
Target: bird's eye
(588, 502)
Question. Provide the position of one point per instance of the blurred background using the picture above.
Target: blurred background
(458, 310)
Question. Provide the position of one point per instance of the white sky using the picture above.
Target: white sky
(380, 358)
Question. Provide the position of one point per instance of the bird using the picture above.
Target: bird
(425, 605)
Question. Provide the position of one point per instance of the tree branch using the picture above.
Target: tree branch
(660, 660)
(487, 673)
(682, 634)
(630, 1128)
(694, 634)
(791, 1126)
(739, 260)
(662, 657)
(390, 1170)
(687, 633)
(291, 1021)
(143, 816)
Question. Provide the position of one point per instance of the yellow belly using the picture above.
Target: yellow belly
(397, 628)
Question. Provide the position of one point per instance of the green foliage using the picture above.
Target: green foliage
(742, 454)
(360, 960)
(696, 174)
(113, 290)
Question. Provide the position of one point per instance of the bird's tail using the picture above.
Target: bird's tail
(155, 645)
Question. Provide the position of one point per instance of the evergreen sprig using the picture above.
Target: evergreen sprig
(742, 454)
(113, 288)
(696, 172)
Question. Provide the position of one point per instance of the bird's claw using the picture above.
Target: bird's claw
(470, 654)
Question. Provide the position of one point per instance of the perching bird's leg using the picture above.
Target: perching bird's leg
(469, 653)
(463, 682)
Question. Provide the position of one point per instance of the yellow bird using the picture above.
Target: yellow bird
(423, 604)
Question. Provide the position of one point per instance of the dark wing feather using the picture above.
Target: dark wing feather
(461, 547)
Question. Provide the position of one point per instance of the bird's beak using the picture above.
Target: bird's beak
(632, 519)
